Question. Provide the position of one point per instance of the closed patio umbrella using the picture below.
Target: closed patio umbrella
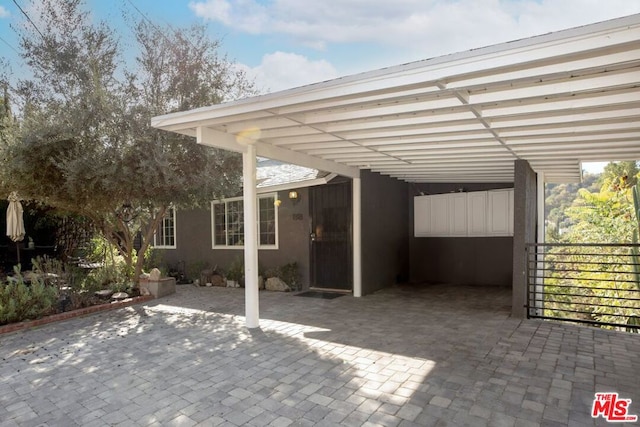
(15, 223)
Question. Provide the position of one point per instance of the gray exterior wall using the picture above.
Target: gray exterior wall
(463, 260)
(385, 236)
(525, 226)
(194, 246)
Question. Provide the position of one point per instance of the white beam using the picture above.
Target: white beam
(357, 238)
(301, 159)
(217, 139)
(571, 85)
(251, 296)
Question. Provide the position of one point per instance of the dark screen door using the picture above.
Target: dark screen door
(331, 260)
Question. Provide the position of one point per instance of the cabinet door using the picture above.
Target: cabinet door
(458, 214)
(477, 213)
(422, 216)
(500, 212)
(440, 215)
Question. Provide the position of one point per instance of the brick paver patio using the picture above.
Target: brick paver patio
(431, 356)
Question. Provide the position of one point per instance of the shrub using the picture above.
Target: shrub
(235, 271)
(19, 301)
(288, 273)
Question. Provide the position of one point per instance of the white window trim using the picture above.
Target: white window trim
(239, 247)
(175, 232)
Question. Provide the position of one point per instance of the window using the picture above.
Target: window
(228, 223)
(165, 236)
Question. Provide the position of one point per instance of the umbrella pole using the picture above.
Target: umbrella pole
(18, 251)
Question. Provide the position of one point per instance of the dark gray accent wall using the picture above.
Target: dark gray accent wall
(194, 244)
(385, 243)
(524, 226)
(459, 260)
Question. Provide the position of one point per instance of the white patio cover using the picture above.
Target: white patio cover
(554, 100)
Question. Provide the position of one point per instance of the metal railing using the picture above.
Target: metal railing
(597, 284)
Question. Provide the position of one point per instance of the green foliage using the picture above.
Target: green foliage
(19, 301)
(598, 283)
(235, 271)
(194, 269)
(559, 197)
(114, 268)
(52, 271)
(601, 217)
(288, 273)
(154, 258)
(85, 145)
(635, 251)
(620, 176)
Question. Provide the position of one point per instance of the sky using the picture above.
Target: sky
(289, 43)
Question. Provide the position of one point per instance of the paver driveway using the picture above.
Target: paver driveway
(433, 355)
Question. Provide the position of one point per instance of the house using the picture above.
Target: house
(513, 115)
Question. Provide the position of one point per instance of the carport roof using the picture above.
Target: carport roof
(555, 100)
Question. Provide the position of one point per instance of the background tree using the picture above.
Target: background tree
(592, 280)
(619, 176)
(86, 146)
(558, 198)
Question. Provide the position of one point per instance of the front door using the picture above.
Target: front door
(330, 239)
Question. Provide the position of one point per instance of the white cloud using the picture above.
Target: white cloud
(4, 13)
(281, 70)
(427, 27)
(244, 15)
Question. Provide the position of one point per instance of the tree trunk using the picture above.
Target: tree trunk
(146, 241)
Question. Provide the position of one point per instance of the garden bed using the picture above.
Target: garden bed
(12, 327)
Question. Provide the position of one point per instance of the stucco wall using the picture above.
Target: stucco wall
(525, 226)
(459, 260)
(385, 244)
(193, 239)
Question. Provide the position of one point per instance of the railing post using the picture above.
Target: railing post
(539, 280)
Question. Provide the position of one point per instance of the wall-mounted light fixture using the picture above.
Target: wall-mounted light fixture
(277, 202)
(293, 194)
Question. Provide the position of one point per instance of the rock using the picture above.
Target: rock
(144, 291)
(260, 282)
(276, 284)
(217, 280)
(120, 296)
(154, 275)
(206, 276)
(105, 293)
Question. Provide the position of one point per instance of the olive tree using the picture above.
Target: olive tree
(85, 144)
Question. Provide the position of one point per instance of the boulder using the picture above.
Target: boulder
(208, 276)
(276, 284)
(120, 296)
(154, 275)
(218, 280)
(105, 293)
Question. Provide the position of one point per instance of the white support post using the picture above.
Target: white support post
(249, 192)
(357, 239)
(540, 238)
